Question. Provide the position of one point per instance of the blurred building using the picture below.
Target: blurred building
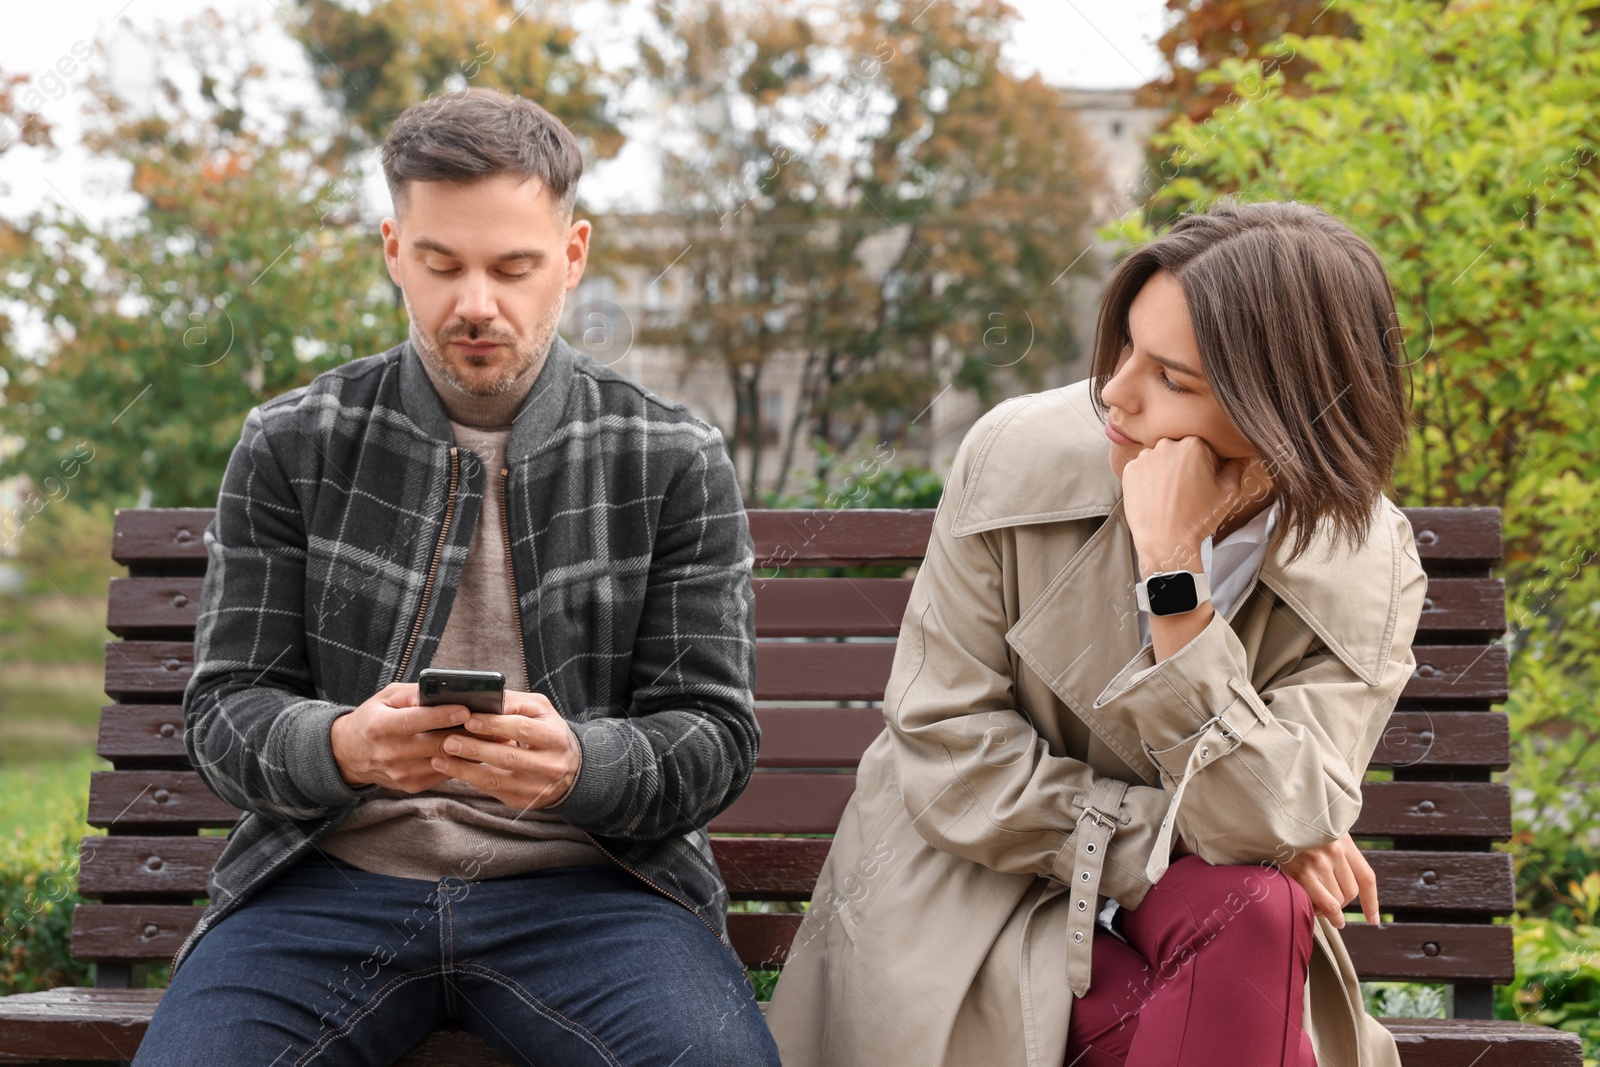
(605, 316)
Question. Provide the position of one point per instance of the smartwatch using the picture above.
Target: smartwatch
(1172, 592)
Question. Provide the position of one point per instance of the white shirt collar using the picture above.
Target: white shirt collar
(1256, 532)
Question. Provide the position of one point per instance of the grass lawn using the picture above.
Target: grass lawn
(51, 673)
(50, 699)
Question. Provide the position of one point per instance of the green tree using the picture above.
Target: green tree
(242, 275)
(1460, 139)
(866, 192)
(1201, 34)
(249, 267)
(374, 60)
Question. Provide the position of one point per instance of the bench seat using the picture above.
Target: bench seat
(74, 1023)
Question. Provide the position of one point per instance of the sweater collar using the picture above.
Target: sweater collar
(535, 420)
(480, 412)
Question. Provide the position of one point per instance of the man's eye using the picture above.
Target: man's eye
(508, 275)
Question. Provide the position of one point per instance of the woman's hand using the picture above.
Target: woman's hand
(1178, 492)
(1334, 875)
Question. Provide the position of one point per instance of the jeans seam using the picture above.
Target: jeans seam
(450, 917)
(571, 1024)
(447, 955)
(344, 1030)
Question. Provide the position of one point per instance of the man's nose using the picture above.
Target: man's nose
(475, 300)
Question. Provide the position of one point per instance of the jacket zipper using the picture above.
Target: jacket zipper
(676, 899)
(511, 576)
(516, 605)
(433, 568)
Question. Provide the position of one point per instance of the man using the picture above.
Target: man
(478, 497)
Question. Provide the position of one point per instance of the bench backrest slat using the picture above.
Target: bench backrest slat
(1457, 608)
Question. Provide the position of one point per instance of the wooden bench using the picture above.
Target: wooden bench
(824, 660)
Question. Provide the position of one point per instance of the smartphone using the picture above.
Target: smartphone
(480, 691)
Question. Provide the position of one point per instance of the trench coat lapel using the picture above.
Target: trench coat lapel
(1083, 629)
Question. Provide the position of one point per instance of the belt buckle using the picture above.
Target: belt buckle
(1107, 822)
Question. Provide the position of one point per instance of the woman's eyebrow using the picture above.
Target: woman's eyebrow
(1177, 365)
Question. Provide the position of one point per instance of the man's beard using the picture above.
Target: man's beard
(523, 356)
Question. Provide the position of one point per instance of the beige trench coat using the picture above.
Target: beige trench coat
(944, 929)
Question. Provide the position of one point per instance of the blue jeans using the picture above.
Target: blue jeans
(330, 964)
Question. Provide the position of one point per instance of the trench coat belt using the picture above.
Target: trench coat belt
(1095, 827)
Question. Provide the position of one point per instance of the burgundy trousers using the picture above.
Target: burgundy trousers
(1213, 973)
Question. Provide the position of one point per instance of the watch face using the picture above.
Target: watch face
(1172, 594)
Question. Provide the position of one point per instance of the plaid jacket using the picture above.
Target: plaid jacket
(339, 540)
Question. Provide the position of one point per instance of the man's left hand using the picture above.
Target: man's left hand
(527, 757)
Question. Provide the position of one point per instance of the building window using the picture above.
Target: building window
(771, 416)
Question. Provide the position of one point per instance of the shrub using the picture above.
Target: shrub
(1403, 1000)
(44, 806)
(1558, 979)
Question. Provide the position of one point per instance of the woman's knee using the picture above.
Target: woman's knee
(1239, 900)
(1267, 907)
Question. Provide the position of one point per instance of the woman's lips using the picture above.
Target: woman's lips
(1117, 436)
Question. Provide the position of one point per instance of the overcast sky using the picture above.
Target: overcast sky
(1079, 43)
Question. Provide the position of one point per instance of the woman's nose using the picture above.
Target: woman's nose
(1111, 392)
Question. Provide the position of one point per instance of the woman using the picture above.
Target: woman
(1107, 825)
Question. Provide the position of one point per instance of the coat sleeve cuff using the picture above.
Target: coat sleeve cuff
(308, 747)
(1174, 700)
(1122, 872)
(1123, 877)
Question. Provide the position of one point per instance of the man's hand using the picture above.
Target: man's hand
(1334, 875)
(383, 741)
(527, 757)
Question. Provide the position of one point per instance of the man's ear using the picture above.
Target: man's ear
(577, 251)
(390, 231)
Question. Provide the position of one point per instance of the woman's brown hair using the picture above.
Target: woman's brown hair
(1300, 342)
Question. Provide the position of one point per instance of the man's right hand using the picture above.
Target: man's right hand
(384, 742)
